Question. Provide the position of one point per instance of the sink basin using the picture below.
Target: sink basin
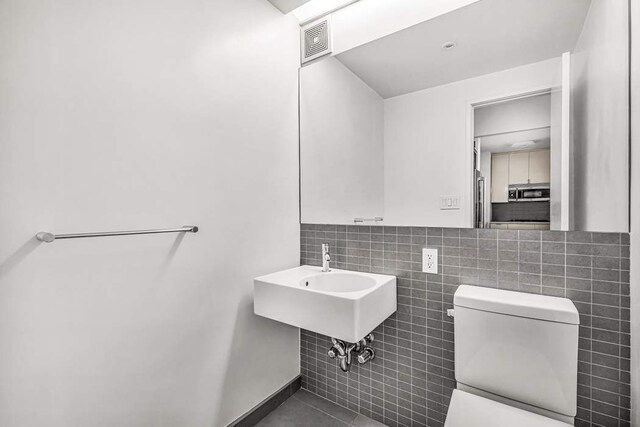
(338, 282)
(346, 305)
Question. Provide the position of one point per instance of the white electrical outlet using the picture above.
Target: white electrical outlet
(430, 260)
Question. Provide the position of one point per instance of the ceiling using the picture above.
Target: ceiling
(287, 6)
(491, 35)
(503, 143)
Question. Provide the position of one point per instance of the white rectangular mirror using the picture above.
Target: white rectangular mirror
(499, 114)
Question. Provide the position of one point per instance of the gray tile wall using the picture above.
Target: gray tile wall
(411, 380)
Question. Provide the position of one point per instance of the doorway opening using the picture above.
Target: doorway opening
(512, 167)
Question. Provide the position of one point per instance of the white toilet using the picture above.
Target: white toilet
(516, 359)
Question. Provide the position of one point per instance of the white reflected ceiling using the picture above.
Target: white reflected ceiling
(491, 35)
(503, 143)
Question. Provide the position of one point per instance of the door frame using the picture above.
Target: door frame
(471, 105)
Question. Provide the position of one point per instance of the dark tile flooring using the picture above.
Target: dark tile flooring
(307, 409)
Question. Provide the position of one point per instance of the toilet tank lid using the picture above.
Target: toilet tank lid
(519, 304)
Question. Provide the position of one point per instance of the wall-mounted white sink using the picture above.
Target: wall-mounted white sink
(346, 305)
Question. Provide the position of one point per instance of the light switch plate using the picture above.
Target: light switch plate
(449, 202)
(430, 261)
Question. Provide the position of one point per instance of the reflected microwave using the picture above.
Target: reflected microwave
(529, 193)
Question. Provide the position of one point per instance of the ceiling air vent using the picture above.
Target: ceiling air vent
(316, 39)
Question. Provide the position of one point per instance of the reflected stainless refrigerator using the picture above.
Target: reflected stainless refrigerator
(479, 200)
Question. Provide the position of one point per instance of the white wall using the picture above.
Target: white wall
(555, 105)
(287, 6)
(142, 114)
(368, 20)
(635, 213)
(342, 165)
(428, 148)
(528, 113)
(600, 119)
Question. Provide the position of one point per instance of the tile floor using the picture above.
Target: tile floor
(307, 409)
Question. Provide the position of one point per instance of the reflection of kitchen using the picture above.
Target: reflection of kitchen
(512, 161)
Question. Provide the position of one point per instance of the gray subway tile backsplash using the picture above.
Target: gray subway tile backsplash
(410, 381)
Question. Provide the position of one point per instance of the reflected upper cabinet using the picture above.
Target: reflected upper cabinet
(517, 119)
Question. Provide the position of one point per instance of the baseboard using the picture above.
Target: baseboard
(261, 410)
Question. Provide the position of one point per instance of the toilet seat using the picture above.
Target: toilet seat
(469, 410)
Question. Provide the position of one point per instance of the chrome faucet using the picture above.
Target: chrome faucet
(326, 258)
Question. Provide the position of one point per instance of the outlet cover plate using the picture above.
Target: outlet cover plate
(449, 203)
(430, 260)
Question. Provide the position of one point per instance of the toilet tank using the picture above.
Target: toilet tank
(518, 346)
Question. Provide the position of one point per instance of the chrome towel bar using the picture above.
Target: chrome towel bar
(376, 219)
(50, 237)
